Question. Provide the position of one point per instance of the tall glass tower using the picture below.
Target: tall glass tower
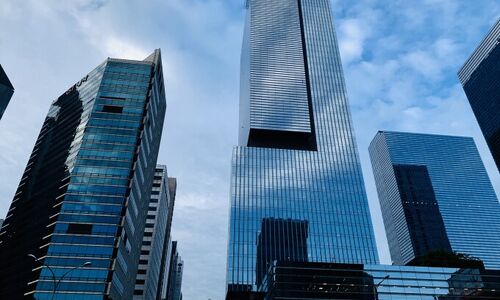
(480, 78)
(296, 166)
(435, 194)
(81, 205)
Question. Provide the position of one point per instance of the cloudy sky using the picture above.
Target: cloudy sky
(400, 59)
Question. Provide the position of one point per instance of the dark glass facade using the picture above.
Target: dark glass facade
(290, 281)
(154, 256)
(6, 91)
(459, 191)
(283, 240)
(480, 77)
(421, 212)
(81, 197)
(297, 157)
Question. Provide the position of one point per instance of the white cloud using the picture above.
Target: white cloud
(352, 38)
(116, 47)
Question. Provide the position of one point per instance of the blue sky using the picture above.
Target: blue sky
(400, 59)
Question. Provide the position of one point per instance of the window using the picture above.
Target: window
(80, 228)
(112, 109)
(138, 292)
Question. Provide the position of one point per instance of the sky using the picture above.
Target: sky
(400, 60)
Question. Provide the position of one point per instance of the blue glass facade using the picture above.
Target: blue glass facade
(85, 186)
(6, 91)
(295, 165)
(480, 77)
(463, 192)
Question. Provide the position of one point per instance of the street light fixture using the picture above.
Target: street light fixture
(376, 286)
(55, 282)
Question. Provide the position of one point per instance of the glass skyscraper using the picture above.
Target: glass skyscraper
(480, 78)
(155, 255)
(84, 195)
(435, 194)
(6, 91)
(297, 165)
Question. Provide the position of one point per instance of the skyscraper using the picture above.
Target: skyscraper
(1, 223)
(83, 198)
(480, 78)
(167, 246)
(6, 91)
(297, 157)
(174, 289)
(155, 243)
(435, 194)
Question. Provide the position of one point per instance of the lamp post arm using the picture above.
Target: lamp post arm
(54, 285)
(51, 271)
(64, 275)
(67, 272)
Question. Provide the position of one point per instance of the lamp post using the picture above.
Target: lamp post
(376, 286)
(55, 282)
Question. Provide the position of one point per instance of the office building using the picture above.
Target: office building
(174, 288)
(480, 78)
(435, 195)
(155, 243)
(84, 195)
(167, 247)
(297, 157)
(1, 223)
(6, 91)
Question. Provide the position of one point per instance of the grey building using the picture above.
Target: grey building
(155, 243)
(6, 91)
(174, 288)
(480, 78)
(297, 156)
(435, 194)
(84, 187)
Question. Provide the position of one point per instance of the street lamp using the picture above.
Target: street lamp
(376, 286)
(55, 282)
